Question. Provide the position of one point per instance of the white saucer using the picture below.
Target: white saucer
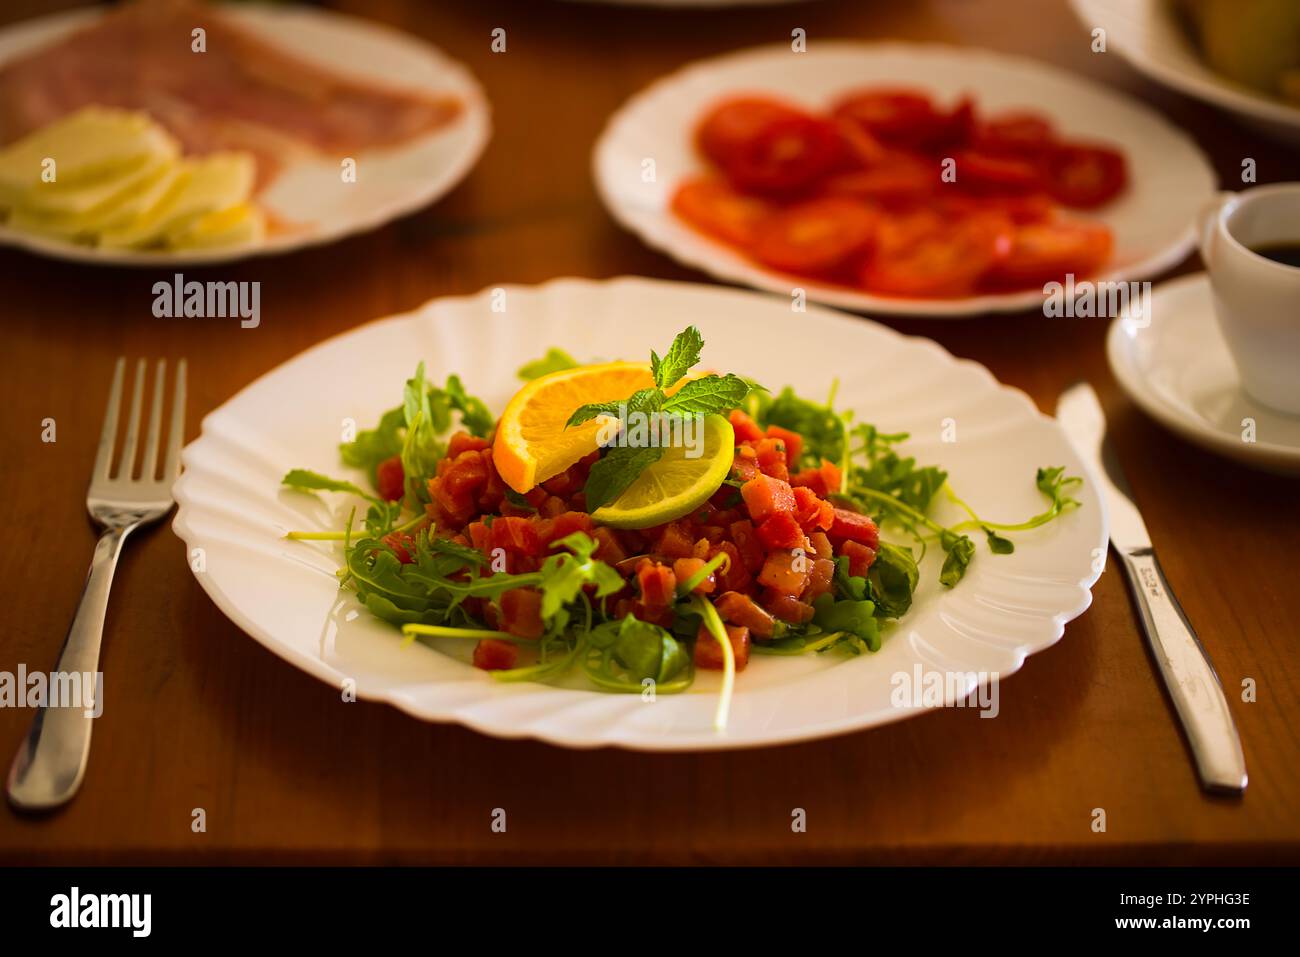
(1178, 369)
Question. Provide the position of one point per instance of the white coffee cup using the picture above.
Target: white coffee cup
(1256, 299)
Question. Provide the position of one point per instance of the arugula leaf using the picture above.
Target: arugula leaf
(619, 468)
(555, 360)
(315, 482)
(850, 586)
(1055, 484)
(411, 431)
(857, 618)
(823, 430)
(708, 395)
(518, 501)
(997, 544)
(469, 557)
(893, 578)
(642, 649)
(960, 551)
(564, 575)
(680, 358)
(474, 413)
(376, 445)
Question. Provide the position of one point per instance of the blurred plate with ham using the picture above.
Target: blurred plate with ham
(301, 91)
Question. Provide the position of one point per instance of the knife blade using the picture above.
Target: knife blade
(1188, 673)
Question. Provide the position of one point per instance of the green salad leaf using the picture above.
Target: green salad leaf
(893, 577)
(315, 482)
(376, 445)
(555, 360)
(876, 479)
(406, 572)
(856, 619)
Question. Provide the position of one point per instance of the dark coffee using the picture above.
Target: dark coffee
(1286, 253)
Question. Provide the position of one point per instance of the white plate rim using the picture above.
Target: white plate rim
(324, 672)
(729, 267)
(1219, 91)
(476, 119)
(1124, 367)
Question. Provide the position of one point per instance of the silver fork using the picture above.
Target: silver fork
(49, 766)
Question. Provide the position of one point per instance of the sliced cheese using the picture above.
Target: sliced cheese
(93, 146)
(235, 226)
(204, 185)
(136, 193)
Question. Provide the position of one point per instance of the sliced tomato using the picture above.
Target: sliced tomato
(960, 125)
(986, 173)
(899, 178)
(1085, 176)
(899, 230)
(712, 206)
(816, 236)
(1028, 208)
(1021, 134)
(734, 123)
(1043, 252)
(896, 117)
(858, 147)
(925, 261)
(787, 157)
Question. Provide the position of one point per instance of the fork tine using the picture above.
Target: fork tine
(126, 467)
(108, 434)
(149, 463)
(176, 436)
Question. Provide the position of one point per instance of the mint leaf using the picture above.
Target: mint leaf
(709, 395)
(555, 360)
(681, 357)
(643, 400)
(610, 477)
(585, 413)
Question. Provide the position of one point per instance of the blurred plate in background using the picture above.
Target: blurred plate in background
(1169, 177)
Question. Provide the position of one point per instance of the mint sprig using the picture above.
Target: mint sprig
(708, 395)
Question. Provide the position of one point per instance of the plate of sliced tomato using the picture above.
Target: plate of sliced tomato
(900, 178)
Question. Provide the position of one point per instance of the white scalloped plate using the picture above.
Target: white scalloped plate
(285, 594)
(1147, 35)
(310, 194)
(1176, 366)
(1170, 176)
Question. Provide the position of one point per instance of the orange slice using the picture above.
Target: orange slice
(532, 444)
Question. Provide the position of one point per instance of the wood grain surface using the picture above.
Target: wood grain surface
(197, 715)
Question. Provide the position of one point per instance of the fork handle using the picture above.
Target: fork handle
(50, 763)
(1188, 674)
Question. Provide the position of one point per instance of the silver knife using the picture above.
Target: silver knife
(1186, 668)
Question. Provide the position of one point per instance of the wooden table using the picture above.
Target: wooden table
(197, 715)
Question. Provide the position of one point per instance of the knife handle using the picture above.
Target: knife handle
(1189, 675)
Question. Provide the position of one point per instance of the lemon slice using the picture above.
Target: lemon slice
(677, 484)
